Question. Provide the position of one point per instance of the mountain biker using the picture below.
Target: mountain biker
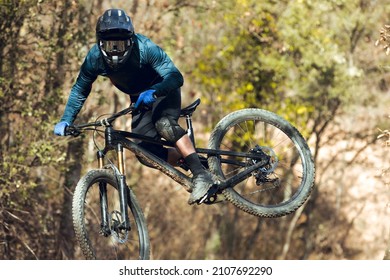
(141, 69)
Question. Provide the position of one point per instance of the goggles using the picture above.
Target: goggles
(115, 47)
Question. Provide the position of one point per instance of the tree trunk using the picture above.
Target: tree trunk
(66, 241)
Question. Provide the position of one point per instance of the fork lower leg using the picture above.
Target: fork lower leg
(123, 194)
(105, 225)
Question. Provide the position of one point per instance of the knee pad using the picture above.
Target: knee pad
(169, 129)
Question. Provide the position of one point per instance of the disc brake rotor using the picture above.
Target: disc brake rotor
(120, 235)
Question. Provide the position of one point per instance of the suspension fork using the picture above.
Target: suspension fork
(105, 226)
(123, 191)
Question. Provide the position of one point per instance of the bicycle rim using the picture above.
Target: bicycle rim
(116, 243)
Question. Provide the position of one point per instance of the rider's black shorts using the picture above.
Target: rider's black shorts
(144, 122)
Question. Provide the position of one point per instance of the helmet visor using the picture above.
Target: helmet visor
(115, 47)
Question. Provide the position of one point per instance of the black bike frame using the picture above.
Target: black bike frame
(118, 140)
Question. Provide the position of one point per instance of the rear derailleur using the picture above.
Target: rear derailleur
(268, 156)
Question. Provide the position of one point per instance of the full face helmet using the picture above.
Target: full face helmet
(114, 32)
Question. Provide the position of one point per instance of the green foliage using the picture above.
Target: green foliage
(241, 68)
(296, 58)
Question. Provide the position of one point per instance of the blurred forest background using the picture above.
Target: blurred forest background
(312, 61)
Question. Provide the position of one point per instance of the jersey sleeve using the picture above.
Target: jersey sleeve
(82, 87)
(163, 65)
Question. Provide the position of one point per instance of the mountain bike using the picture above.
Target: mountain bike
(260, 163)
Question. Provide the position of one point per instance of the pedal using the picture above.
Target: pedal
(211, 193)
(203, 199)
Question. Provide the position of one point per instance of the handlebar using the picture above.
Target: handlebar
(75, 130)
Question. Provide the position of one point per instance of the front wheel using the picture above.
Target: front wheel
(109, 241)
(279, 187)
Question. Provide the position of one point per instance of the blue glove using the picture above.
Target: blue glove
(147, 98)
(59, 128)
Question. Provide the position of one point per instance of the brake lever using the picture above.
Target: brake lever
(140, 109)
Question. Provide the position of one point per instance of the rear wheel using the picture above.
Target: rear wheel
(111, 242)
(279, 187)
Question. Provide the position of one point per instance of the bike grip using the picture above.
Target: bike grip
(68, 130)
(71, 131)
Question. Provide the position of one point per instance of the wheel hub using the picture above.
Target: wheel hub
(117, 231)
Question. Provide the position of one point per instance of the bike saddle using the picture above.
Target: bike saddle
(190, 108)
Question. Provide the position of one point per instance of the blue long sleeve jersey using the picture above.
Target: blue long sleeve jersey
(148, 67)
